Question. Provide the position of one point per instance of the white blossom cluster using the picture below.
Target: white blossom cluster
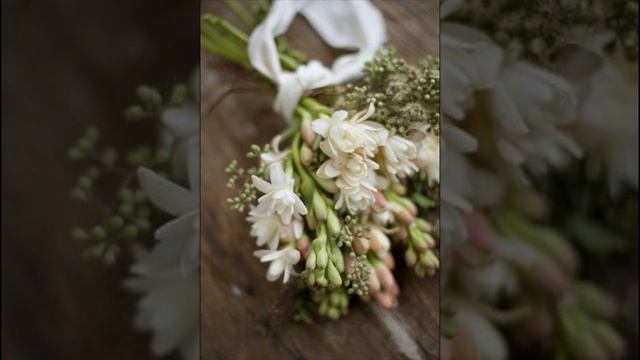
(362, 160)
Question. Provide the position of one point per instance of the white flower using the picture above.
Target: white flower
(400, 154)
(168, 275)
(355, 198)
(282, 262)
(526, 107)
(353, 168)
(428, 156)
(342, 135)
(169, 308)
(608, 121)
(269, 230)
(178, 239)
(279, 197)
(471, 61)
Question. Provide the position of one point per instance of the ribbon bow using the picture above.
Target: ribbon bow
(341, 24)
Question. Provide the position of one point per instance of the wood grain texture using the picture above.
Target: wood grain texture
(67, 64)
(238, 306)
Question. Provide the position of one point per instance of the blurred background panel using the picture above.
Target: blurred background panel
(65, 65)
(243, 316)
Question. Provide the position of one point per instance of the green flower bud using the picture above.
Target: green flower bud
(333, 223)
(338, 259)
(143, 225)
(306, 155)
(333, 313)
(322, 258)
(319, 207)
(116, 222)
(321, 280)
(333, 275)
(150, 96)
(311, 261)
(125, 209)
(79, 194)
(178, 95)
(85, 145)
(311, 279)
(130, 232)
(79, 234)
(85, 182)
(135, 112)
(98, 232)
(75, 154)
(410, 257)
(307, 188)
(126, 195)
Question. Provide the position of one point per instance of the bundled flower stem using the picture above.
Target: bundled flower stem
(333, 204)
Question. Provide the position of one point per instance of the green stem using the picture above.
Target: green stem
(241, 13)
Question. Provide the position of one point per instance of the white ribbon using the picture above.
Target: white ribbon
(343, 24)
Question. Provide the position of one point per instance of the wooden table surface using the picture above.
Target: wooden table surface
(237, 302)
(67, 64)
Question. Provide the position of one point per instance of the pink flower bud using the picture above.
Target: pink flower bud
(361, 246)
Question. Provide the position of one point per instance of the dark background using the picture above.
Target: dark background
(67, 64)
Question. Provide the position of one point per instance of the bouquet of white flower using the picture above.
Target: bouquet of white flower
(358, 177)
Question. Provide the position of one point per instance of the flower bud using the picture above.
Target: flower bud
(379, 198)
(401, 235)
(405, 216)
(303, 246)
(333, 275)
(311, 261)
(327, 185)
(373, 283)
(307, 132)
(378, 240)
(319, 207)
(306, 155)
(423, 225)
(333, 223)
(410, 257)
(337, 258)
(322, 258)
(594, 300)
(361, 246)
(389, 261)
(398, 188)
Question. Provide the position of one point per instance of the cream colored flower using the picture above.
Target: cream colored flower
(355, 197)
(428, 156)
(279, 196)
(400, 154)
(347, 135)
(269, 229)
(352, 168)
(282, 262)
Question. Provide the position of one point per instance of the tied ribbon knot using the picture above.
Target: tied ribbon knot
(341, 24)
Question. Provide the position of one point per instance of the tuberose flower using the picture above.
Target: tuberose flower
(269, 230)
(347, 135)
(279, 196)
(428, 156)
(400, 154)
(282, 262)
